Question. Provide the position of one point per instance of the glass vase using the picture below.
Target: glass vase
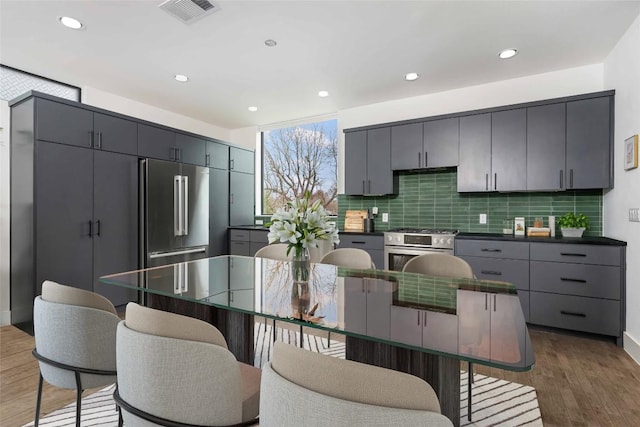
(300, 264)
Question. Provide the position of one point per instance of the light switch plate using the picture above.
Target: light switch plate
(483, 218)
(374, 210)
(633, 214)
(385, 217)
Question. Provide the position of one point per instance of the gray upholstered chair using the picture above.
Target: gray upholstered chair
(439, 265)
(300, 387)
(176, 369)
(75, 334)
(277, 251)
(348, 257)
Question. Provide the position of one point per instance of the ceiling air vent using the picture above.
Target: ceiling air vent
(189, 11)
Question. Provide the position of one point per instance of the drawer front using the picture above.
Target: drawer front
(514, 271)
(361, 241)
(576, 313)
(492, 249)
(595, 281)
(242, 235)
(377, 256)
(239, 248)
(255, 247)
(581, 254)
(259, 236)
(524, 302)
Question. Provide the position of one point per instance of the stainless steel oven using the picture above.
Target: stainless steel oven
(403, 244)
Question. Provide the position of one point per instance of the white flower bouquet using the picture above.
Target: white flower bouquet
(302, 226)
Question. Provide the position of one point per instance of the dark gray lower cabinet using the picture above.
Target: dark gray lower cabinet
(373, 244)
(246, 242)
(86, 217)
(369, 303)
(241, 198)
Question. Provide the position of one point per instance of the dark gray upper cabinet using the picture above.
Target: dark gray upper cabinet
(431, 144)
(115, 214)
(546, 147)
(589, 128)
(115, 134)
(64, 215)
(368, 160)
(441, 139)
(218, 211)
(241, 198)
(191, 150)
(474, 167)
(407, 147)
(508, 150)
(241, 160)
(65, 124)
(217, 155)
(156, 143)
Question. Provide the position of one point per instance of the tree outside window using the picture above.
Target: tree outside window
(298, 159)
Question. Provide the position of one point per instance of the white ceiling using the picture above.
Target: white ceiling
(357, 50)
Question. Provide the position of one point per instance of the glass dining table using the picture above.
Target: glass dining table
(409, 322)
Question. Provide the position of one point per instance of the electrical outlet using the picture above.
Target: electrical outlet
(385, 217)
(633, 214)
(259, 222)
(374, 210)
(483, 218)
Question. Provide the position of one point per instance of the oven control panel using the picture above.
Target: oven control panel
(439, 241)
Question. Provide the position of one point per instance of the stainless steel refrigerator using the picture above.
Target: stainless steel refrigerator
(175, 212)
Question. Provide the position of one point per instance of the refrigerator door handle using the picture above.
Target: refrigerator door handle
(177, 206)
(154, 255)
(185, 206)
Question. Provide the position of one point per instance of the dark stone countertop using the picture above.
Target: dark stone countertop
(585, 240)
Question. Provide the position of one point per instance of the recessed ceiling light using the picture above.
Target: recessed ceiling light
(270, 42)
(508, 53)
(323, 94)
(411, 76)
(253, 109)
(181, 78)
(69, 22)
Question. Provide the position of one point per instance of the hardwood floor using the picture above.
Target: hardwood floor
(579, 381)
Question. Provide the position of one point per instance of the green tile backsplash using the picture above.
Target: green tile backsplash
(431, 199)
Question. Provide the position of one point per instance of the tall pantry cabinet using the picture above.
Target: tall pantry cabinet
(74, 200)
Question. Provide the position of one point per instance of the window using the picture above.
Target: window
(298, 159)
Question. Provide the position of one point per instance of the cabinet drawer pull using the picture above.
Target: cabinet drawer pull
(567, 279)
(572, 254)
(490, 250)
(571, 313)
(358, 242)
(494, 273)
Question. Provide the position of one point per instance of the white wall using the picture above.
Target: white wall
(622, 73)
(5, 314)
(139, 110)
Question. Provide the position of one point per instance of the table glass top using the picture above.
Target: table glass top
(474, 320)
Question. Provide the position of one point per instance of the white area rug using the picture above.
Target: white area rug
(494, 403)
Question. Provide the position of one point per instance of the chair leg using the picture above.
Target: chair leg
(469, 382)
(78, 398)
(301, 340)
(38, 402)
(274, 330)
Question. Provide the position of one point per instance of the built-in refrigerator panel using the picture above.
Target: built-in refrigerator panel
(159, 206)
(196, 232)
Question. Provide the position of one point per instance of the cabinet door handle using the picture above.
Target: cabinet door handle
(90, 228)
(207, 159)
(490, 250)
(425, 319)
(172, 155)
(369, 186)
(486, 181)
(561, 179)
(495, 302)
(231, 198)
(233, 164)
(570, 178)
(568, 279)
(495, 181)
(572, 254)
(100, 140)
(419, 161)
(572, 313)
(494, 273)
(426, 159)
(98, 227)
(90, 139)
(486, 302)
(364, 190)
(419, 313)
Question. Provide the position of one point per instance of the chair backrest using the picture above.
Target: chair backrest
(277, 251)
(439, 265)
(299, 386)
(349, 257)
(69, 329)
(185, 375)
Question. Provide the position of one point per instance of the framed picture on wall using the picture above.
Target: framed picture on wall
(631, 152)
